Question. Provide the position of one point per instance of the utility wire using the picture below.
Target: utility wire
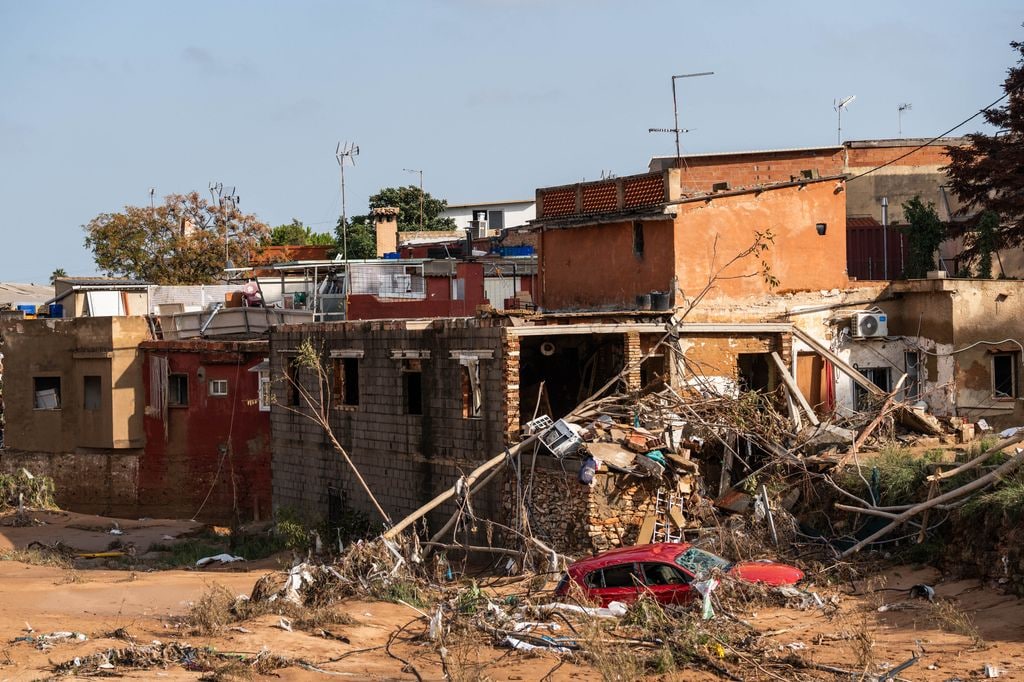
(937, 137)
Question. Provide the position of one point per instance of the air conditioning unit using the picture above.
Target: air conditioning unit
(479, 228)
(870, 325)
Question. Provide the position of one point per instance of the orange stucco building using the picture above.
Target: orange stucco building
(604, 244)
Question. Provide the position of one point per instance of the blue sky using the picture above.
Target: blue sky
(99, 101)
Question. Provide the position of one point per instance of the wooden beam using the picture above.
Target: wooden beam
(840, 364)
(794, 390)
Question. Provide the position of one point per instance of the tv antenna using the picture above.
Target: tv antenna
(152, 191)
(413, 170)
(224, 196)
(675, 116)
(906, 106)
(347, 151)
(839, 105)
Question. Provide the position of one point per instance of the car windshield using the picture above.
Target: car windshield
(699, 562)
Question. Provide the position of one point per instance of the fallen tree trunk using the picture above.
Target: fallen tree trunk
(1007, 468)
(882, 412)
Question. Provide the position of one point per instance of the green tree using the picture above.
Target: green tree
(987, 173)
(182, 241)
(924, 234)
(362, 238)
(297, 234)
(59, 272)
(985, 243)
(407, 200)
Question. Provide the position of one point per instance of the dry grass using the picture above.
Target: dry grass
(218, 608)
(36, 558)
(950, 616)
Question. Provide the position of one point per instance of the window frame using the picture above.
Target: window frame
(264, 390)
(212, 384)
(1013, 357)
(181, 378)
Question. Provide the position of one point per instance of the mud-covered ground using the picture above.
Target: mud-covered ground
(969, 626)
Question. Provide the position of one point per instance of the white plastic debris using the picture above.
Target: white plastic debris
(435, 630)
(615, 609)
(222, 558)
(992, 671)
(284, 624)
(116, 531)
(519, 644)
(705, 588)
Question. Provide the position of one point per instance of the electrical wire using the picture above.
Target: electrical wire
(937, 137)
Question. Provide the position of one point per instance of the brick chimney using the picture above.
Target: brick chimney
(385, 220)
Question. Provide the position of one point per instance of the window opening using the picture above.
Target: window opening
(218, 387)
(47, 393)
(472, 397)
(638, 239)
(177, 390)
(412, 386)
(1004, 375)
(346, 381)
(92, 392)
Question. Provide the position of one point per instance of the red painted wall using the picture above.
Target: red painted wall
(438, 302)
(188, 463)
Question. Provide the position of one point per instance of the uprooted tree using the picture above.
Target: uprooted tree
(185, 240)
(986, 174)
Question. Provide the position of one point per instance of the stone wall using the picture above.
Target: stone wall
(578, 519)
(89, 483)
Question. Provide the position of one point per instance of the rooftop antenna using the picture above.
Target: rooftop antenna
(675, 116)
(223, 196)
(412, 170)
(906, 106)
(342, 152)
(152, 191)
(839, 105)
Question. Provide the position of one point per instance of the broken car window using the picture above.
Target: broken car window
(699, 562)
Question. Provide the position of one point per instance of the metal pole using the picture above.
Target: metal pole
(675, 109)
(885, 236)
(413, 170)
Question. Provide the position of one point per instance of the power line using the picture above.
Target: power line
(937, 137)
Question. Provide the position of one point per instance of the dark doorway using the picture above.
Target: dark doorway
(755, 372)
(572, 367)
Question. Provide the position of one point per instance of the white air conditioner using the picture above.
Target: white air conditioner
(870, 325)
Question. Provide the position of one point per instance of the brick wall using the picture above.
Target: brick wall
(89, 483)
(405, 459)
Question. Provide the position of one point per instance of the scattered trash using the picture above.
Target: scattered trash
(991, 671)
(43, 642)
(221, 558)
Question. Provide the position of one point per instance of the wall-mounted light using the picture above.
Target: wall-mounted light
(821, 228)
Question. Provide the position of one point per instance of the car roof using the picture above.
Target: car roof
(658, 551)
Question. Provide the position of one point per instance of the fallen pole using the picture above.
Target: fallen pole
(450, 492)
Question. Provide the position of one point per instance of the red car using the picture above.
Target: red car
(664, 569)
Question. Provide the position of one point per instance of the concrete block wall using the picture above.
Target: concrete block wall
(103, 483)
(405, 459)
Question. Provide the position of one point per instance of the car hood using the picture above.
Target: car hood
(767, 572)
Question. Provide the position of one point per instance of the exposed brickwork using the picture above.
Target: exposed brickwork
(577, 518)
(89, 483)
(633, 355)
(406, 459)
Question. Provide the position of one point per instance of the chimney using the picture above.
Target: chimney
(385, 220)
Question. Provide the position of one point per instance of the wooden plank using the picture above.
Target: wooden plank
(794, 390)
(677, 518)
(646, 530)
(881, 415)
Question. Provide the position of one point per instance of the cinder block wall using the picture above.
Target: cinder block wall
(405, 459)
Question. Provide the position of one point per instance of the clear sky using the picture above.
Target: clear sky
(99, 101)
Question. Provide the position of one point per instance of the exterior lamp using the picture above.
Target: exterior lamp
(821, 228)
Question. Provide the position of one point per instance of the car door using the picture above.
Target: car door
(619, 582)
(667, 583)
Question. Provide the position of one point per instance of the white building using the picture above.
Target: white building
(489, 218)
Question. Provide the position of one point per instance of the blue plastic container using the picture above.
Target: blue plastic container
(56, 310)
